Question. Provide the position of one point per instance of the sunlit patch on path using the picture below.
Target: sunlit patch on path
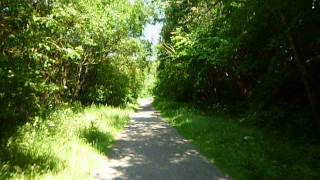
(150, 149)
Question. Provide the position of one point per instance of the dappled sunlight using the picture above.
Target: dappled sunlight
(145, 102)
(149, 149)
(90, 117)
(68, 145)
(143, 114)
(180, 157)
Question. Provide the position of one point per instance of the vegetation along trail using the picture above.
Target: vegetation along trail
(151, 149)
(237, 79)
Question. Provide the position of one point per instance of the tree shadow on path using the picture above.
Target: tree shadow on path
(150, 149)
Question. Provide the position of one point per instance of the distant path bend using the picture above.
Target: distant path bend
(149, 149)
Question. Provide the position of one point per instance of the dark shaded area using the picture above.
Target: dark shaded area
(260, 57)
(101, 141)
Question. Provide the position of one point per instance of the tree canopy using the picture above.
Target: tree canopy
(57, 51)
(263, 53)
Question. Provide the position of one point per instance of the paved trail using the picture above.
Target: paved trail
(149, 149)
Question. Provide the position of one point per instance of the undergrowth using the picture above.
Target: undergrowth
(243, 152)
(71, 143)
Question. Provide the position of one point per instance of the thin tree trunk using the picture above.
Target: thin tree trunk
(78, 85)
(64, 75)
(80, 81)
(311, 93)
(310, 90)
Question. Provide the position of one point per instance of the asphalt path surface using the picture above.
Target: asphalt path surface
(150, 149)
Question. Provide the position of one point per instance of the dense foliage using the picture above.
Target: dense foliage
(54, 51)
(262, 54)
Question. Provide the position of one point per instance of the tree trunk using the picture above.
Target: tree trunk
(310, 90)
(311, 93)
(80, 80)
(307, 82)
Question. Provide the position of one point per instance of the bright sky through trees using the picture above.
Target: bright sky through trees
(152, 33)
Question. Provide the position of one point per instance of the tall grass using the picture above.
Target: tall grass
(69, 144)
(241, 151)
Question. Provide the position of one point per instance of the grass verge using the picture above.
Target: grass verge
(243, 152)
(70, 144)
